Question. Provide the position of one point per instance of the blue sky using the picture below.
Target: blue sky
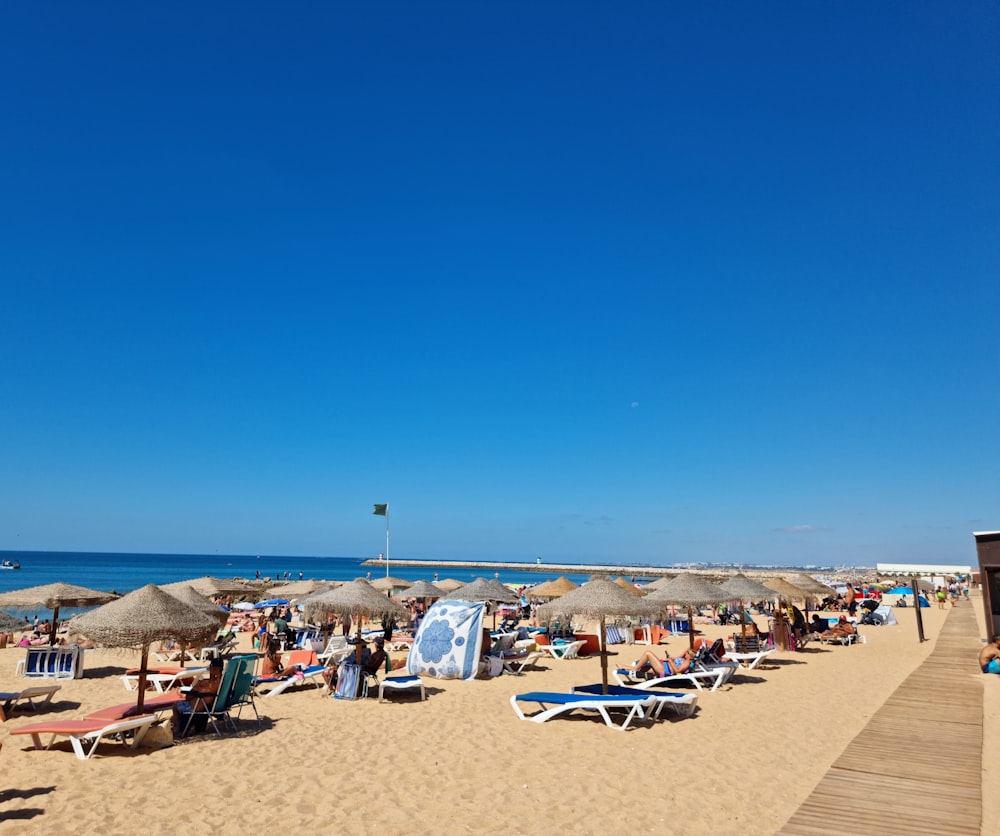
(554, 279)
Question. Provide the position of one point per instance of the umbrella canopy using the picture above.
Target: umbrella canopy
(552, 589)
(598, 598)
(388, 583)
(448, 584)
(212, 586)
(9, 623)
(740, 587)
(143, 616)
(659, 583)
(199, 602)
(787, 590)
(52, 596)
(357, 599)
(809, 584)
(295, 589)
(483, 590)
(690, 591)
(422, 589)
(624, 584)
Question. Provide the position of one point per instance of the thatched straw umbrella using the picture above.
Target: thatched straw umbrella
(448, 584)
(689, 591)
(552, 589)
(809, 584)
(482, 589)
(9, 623)
(294, 589)
(52, 596)
(388, 584)
(659, 583)
(357, 599)
(197, 601)
(422, 589)
(631, 587)
(143, 616)
(741, 588)
(598, 598)
(212, 586)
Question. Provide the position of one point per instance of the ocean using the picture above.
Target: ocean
(121, 573)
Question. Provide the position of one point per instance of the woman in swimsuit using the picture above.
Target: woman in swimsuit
(662, 667)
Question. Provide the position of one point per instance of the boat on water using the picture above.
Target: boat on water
(9, 564)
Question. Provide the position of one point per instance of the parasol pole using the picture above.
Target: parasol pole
(382, 510)
(143, 663)
(603, 637)
(743, 623)
(690, 626)
(55, 624)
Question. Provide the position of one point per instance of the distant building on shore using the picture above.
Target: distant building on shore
(988, 550)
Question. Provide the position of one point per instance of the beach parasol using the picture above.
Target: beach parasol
(786, 590)
(809, 584)
(52, 596)
(295, 589)
(212, 586)
(143, 616)
(199, 602)
(422, 589)
(448, 584)
(624, 584)
(598, 598)
(357, 599)
(388, 583)
(689, 591)
(552, 589)
(9, 623)
(741, 588)
(659, 583)
(484, 590)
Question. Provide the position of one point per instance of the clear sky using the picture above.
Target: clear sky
(586, 281)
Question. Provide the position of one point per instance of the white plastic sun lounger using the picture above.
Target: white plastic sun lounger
(715, 676)
(562, 703)
(164, 680)
(91, 732)
(682, 704)
(750, 660)
(401, 683)
(9, 700)
(569, 650)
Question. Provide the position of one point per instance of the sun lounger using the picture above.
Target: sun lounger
(28, 695)
(218, 647)
(89, 731)
(715, 676)
(683, 704)
(515, 663)
(567, 650)
(151, 705)
(401, 683)
(752, 659)
(163, 678)
(600, 703)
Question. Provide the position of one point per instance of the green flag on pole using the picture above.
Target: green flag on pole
(381, 510)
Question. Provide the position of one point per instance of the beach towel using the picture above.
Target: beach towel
(449, 641)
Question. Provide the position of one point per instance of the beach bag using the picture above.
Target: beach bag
(349, 681)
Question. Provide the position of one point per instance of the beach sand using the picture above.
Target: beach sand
(461, 762)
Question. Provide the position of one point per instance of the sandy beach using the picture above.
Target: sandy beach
(461, 762)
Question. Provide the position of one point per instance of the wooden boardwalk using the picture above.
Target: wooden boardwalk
(918, 762)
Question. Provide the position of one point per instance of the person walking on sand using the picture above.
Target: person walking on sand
(989, 656)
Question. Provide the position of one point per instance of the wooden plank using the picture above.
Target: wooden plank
(920, 787)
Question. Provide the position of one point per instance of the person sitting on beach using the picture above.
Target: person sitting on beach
(272, 667)
(819, 624)
(841, 629)
(662, 667)
(989, 656)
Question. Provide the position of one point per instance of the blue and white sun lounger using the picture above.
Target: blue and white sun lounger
(562, 703)
(683, 704)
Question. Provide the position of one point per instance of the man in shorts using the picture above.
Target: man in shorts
(989, 656)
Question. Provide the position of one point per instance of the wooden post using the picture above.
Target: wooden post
(916, 603)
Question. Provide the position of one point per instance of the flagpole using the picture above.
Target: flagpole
(387, 540)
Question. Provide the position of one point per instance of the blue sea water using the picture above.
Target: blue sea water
(121, 573)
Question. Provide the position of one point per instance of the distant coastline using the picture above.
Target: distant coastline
(630, 570)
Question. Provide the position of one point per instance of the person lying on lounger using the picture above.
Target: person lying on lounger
(272, 667)
(841, 629)
(662, 667)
